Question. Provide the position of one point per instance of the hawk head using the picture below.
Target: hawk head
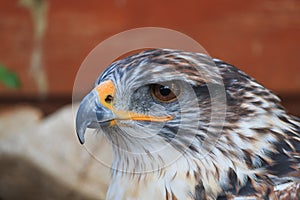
(156, 103)
(166, 110)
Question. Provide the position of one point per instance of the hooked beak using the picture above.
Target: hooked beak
(96, 110)
(91, 115)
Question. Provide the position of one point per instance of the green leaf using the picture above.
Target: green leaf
(9, 78)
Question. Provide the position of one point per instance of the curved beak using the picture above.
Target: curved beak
(91, 114)
(96, 110)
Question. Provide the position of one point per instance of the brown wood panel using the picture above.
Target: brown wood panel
(260, 37)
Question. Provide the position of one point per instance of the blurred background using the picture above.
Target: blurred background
(43, 43)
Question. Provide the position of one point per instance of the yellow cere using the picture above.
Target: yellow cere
(106, 92)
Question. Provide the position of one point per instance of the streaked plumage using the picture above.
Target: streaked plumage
(181, 148)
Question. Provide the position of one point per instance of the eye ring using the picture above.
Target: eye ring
(165, 92)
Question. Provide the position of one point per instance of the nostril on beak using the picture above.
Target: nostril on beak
(109, 99)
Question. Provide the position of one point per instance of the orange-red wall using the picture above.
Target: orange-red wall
(262, 37)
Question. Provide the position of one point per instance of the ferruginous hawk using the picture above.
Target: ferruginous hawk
(185, 126)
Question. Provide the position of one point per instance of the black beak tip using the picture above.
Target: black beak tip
(80, 134)
(81, 139)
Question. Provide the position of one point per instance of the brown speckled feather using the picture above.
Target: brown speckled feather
(254, 153)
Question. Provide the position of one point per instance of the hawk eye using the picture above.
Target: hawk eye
(165, 92)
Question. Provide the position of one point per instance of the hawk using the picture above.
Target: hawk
(185, 126)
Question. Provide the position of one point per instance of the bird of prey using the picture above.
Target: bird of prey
(183, 126)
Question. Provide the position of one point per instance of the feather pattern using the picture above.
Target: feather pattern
(254, 153)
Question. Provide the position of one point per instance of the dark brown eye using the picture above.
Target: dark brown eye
(165, 92)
